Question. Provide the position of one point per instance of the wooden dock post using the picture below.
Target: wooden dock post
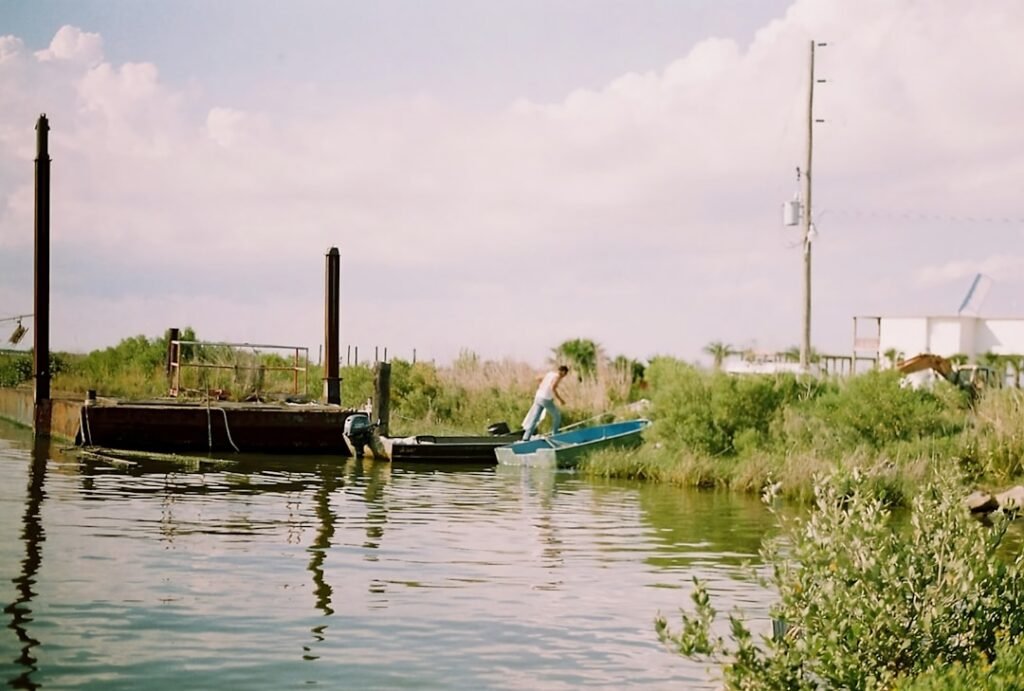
(382, 397)
(332, 311)
(173, 359)
(41, 338)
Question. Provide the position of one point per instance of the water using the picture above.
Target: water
(287, 573)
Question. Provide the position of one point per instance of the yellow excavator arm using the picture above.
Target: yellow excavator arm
(927, 361)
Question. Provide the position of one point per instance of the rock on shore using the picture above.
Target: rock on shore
(985, 502)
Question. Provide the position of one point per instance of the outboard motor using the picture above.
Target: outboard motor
(359, 432)
(498, 429)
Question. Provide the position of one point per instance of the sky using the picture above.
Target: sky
(500, 177)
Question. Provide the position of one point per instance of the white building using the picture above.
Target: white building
(946, 336)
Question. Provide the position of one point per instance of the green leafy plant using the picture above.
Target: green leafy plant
(866, 600)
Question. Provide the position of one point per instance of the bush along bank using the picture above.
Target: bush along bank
(929, 601)
(748, 432)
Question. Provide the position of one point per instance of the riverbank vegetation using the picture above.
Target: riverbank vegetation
(870, 600)
(748, 432)
(711, 429)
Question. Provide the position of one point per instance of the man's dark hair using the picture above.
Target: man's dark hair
(564, 369)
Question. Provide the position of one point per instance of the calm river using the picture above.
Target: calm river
(296, 572)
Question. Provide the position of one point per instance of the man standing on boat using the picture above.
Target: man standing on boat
(544, 400)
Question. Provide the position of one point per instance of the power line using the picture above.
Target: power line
(922, 216)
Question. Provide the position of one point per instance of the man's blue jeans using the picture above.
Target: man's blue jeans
(533, 417)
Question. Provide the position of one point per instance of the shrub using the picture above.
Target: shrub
(873, 409)
(721, 414)
(15, 368)
(134, 367)
(996, 434)
(864, 602)
(1005, 673)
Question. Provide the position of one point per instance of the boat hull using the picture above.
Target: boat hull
(566, 449)
(435, 449)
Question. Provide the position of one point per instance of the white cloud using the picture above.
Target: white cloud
(645, 212)
(10, 47)
(73, 44)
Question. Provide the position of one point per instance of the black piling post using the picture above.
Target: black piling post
(332, 327)
(382, 397)
(41, 310)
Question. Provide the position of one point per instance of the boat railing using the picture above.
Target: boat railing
(239, 358)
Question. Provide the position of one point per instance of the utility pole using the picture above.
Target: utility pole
(805, 344)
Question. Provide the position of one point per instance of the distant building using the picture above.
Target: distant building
(763, 362)
(747, 367)
(967, 335)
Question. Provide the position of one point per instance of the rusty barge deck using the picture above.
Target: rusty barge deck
(219, 426)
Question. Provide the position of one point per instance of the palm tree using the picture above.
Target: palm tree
(1016, 363)
(718, 352)
(581, 353)
(893, 356)
(997, 362)
(792, 354)
(634, 368)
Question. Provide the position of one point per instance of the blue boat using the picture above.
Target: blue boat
(565, 449)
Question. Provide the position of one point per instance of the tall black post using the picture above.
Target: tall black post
(382, 398)
(41, 309)
(332, 327)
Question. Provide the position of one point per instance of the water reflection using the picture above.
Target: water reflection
(721, 526)
(330, 479)
(373, 476)
(275, 572)
(33, 536)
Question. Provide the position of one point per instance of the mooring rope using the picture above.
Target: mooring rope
(85, 419)
(228, 429)
(209, 427)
